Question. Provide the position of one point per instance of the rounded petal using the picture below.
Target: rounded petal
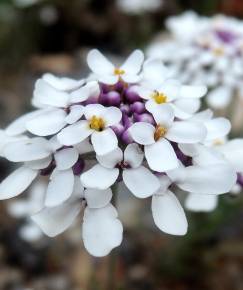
(74, 133)
(59, 188)
(186, 132)
(220, 97)
(76, 112)
(66, 158)
(131, 79)
(18, 126)
(39, 164)
(212, 179)
(163, 115)
(217, 128)
(17, 182)
(91, 110)
(55, 220)
(133, 63)
(111, 159)
(189, 106)
(168, 214)
(47, 124)
(141, 181)
(27, 150)
(161, 156)
(62, 84)
(99, 177)
(97, 198)
(30, 232)
(46, 94)
(133, 155)
(101, 232)
(112, 116)
(104, 141)
(98, 63)
(91, 89)
(192, 91)
(201, 202)
(142, 133)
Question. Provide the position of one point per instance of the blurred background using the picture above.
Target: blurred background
(38, 36)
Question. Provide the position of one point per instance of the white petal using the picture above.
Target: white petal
(27, 150)
(39, 164)
(112, 116)
(201, 202)
(141, 181)
(133, 63)
(101, 232)
(186, 132)
(91, 89)
(98, 63)
(220, 97)
(99, 177)
(47, 95)
(213, 179)
(74, 133)
(17, 182)
(66, 158)
(142, 133)
(163, 115)
(55, 220)
(170, 88)
(30, 232)
(189, 106)
(91, 110)
(76, 112)
(84, 147)
(59, 188)
(133, 155)
(192, 91)
(168, 214)
(131, 79)
(47, 124)
(108, 79)
(154, 71)
(161, 156)
(111, 159)
(97, 198)
(217, 128)
(62, 83)
(104, 141)
(18, 126)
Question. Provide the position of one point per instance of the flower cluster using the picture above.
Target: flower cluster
(210, 53)
(130, 124)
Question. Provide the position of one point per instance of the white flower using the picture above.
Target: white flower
(107, 73)
(138, 179)
(97, 125)
(139, 6)
(158, 150)
(101, 230)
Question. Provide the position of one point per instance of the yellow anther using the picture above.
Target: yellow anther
(160, 132)
(96, 123)
(218, 51)
(218, 142)
(159, 98)
(119, 72)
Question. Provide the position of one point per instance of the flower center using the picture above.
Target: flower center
(96, 123)
(118, 72)
(160, 131)
(218, 51)
(218, 142)
(159, 98)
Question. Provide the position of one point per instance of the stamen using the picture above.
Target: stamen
(96, 123)
(159, 98)
(160, 132)
(118, 72)
(218, 51)
(218, 142)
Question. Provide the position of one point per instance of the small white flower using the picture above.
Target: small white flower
(158, 150)
(138, 179)
(107, 73)
(97, 125)
(139, 6)
(101, 230)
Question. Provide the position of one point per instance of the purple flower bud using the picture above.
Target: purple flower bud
(104, 88)
(125, 109)
(118, 129)
(126, 137)
(131, 95)
(92, 100)
(137, 107)
(113, 98)
(127, 122)
(78, 167)
(103, 100)
(145, 117)
(119, 86)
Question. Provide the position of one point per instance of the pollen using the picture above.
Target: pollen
(160, 132)
(218, 51)
(218, 142)
(96, 123)
(159, 98)
(119, 72)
